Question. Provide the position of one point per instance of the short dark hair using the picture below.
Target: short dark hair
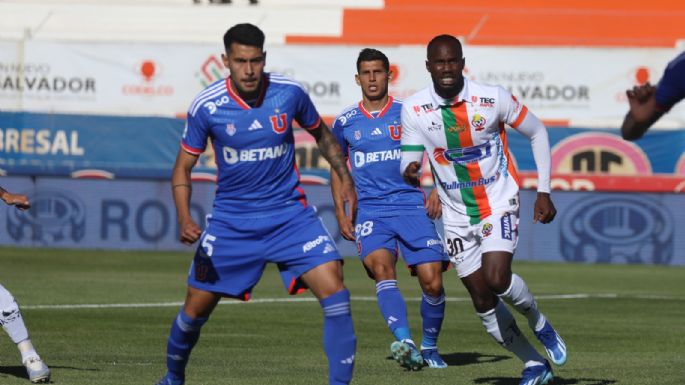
(370, 54)
(448, 39)
(245, 34)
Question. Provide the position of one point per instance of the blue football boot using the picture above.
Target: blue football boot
(537, 375)
(554, 345)
(432, 358)
(406, 353)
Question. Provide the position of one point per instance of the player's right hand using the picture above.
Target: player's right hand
(190, 232)
(433, 205)
(411, 173)
(349, 199)
(642, 101)
(17, 200)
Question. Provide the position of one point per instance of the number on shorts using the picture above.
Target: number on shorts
(209, 248)
(364, 229)
(456, 246)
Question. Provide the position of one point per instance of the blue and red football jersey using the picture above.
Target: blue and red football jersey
(371, 140)
(253, 145)
(671, 87)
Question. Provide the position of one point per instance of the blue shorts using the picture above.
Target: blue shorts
(234, 251)
(413, 234)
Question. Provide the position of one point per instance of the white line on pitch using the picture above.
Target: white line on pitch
(311, 299)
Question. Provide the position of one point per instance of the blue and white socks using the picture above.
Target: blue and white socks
(339, 340)
(432, 313)
(185, 331)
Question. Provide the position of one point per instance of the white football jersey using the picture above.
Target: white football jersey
(467, 148)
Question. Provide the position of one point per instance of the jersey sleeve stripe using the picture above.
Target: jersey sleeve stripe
(412, 147)
(522, 115)
(200, 102)
(192, 150)
(313, 126)
(207, 93)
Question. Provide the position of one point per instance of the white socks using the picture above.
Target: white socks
(500, 324)
(518, 296)
(27, 351)
(13, 323)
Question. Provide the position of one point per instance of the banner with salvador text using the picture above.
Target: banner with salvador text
(580, 86)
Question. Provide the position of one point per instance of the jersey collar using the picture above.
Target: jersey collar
(464, 96)
(234, 95)
(382, 112)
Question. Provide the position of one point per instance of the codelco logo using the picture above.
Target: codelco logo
(148, 70)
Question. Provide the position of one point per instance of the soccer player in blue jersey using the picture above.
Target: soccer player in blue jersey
(649, 103)
(260, 212)
(391, 213)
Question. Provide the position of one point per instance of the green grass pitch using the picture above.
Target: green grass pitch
(622, 324)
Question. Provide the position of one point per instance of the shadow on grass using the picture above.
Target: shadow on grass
(556, 381)
(470, 358)
(20, 371)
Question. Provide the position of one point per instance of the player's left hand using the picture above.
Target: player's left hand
(544, 211)
(17, 200)
(433, 205)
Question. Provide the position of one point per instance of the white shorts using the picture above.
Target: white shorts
(466, 243)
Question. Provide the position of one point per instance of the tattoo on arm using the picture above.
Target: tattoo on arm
(331, 151)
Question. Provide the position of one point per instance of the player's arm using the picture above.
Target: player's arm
(330, 149)
(412, 149)
(17, 200)
(535, 131)
(344, 221)
(643, 113)
(517, 116)
(182, 190)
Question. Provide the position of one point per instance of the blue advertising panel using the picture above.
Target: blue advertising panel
(137, 147)
(590, 227)
(59, 145)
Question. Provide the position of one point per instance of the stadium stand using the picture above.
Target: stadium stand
(169, 20)
(614, 23)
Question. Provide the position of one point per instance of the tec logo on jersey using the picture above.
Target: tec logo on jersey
(484, 102)
(426, 108)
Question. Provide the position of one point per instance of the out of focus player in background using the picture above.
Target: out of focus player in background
(649, 103)
(260, 212)
(460, 124)
(390, 214)
(10, 315)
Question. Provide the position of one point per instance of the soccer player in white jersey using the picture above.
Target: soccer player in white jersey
(10, 315)
(460, 124)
